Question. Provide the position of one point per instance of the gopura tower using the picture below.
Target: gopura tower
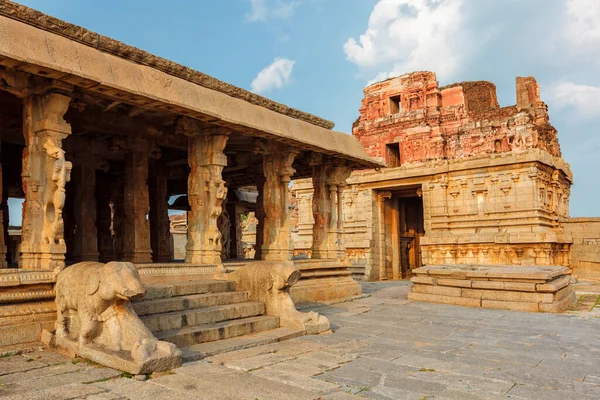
(468, 181)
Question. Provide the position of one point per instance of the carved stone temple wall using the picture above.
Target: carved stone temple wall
(467, 182)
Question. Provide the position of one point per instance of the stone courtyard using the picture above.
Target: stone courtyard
(383, 347)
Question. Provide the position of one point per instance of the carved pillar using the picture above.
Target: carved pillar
(84, 207)
(45, 174)
(160, 235)
(206, 190)
(278, 172)
(136, 229)
(322, 206)
(329, 180)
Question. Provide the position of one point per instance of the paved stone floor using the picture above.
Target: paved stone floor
(384, 347)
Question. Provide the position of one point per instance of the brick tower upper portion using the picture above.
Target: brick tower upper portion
(411, 119)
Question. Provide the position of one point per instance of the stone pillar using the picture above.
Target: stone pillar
(160, 235)
(276, 229)
(118, 219)
(104, 218)
(206, 189)
(259, 213)
(136, 228)
(84, 185)
(45, 174)
(4, 204)
(329, 180)
(381, 197)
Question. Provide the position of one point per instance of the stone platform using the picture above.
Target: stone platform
(524, 288)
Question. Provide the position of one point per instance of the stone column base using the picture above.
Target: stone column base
(202, 257)
(138, 257)
(276, 254)
(43, 256)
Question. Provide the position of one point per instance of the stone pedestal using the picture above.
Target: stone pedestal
(276, 229)
(136, 229)
(523, 288)
(45, 174)
(206, 190)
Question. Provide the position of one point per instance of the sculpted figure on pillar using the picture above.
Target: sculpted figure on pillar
(45, 174)
(54, 199)
(206, 189)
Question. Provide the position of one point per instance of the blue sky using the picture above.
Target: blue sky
(318, 55)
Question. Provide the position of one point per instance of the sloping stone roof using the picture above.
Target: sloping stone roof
(101, 64)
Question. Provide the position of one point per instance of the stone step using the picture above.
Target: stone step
(202, 316)
(192, 335)
(180, 303)
(327, 272)
(202, 350)
(162, 291)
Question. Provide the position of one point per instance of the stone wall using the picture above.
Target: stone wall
(585, 250)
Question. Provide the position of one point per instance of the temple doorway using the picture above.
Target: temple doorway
(404, 227)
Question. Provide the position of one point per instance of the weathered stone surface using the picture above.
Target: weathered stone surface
(269, 282)
(511, 289)
(465, 161)
(434, 298)
(510, 305)
(465, 283)
(96, 321)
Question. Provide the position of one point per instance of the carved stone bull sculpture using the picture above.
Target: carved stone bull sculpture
(270, 282)
(93, 309)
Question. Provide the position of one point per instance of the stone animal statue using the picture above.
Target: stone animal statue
(93, 308)
(269, 282)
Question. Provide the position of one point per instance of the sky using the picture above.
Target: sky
(318, 55)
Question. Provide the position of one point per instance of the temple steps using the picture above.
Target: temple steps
(205, 317)
(180, 303)
(172, 289)
(192, 335)
(199, 351)
(202, 316)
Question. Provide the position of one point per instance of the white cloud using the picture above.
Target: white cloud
(582, 98)
(264, 10)
(582, 25)
(409, 35)
(275, 76)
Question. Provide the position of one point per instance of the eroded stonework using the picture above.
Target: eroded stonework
(468, 182)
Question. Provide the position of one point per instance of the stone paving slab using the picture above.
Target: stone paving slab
(383, 347)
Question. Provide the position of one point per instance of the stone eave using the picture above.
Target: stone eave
(52, 55)
(106, 44)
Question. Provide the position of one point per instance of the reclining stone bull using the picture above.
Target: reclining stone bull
(96, 320)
